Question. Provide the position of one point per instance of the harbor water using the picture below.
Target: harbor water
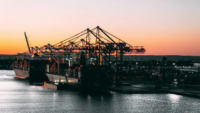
(17, 96)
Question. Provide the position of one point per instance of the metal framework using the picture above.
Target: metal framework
(82, 43)
(96, 43)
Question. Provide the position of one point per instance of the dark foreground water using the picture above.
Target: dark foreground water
(17, 96)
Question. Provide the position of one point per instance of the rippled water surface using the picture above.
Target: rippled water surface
(18, 96)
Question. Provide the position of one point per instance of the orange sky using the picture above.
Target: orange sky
(162, 27)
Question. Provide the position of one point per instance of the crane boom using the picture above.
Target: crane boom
(27, 42)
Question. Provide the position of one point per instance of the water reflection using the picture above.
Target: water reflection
(19, 96)
(4, 76)
(89, 97)
(174, 98)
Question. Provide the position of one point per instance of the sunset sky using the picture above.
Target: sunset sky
(163, 27)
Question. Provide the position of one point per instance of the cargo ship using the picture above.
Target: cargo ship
(32, 69)
(40, 70)
(21, 68)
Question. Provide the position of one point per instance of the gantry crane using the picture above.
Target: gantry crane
(102, 46)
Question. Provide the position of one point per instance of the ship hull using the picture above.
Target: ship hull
(56, 78)
(22, 74)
